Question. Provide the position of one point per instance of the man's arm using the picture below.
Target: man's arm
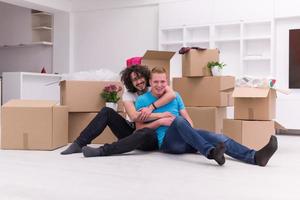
(146, 112)
(167, 121)
(185, 115)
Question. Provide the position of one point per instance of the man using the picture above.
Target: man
(136, 81)
(178, 136)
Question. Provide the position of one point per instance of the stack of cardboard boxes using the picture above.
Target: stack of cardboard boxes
(84, 102)
(254, 109)
(205, 96)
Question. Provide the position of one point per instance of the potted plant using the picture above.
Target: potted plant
(216, 67)
(110, 96)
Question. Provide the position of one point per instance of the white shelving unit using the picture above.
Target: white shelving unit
(26, 85)
(246, 46)
(41, 27)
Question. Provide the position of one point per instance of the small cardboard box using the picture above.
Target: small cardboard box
(84, 96)
(254, 103)
(158, 59)
(79, 121)
(194, 63)
(209, 91)
(207, 118)
(34, 125)
(253, 134)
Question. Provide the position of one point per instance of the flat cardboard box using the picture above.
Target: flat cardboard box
(77, 123)
(253, 134)
(254, 103)
(34, 125)
(194, 63)
(209, 91)
(158, 59)
(207, 118)
(84, 96)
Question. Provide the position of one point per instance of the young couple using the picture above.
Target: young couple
(161, 122)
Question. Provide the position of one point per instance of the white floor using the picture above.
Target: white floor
(47, 175)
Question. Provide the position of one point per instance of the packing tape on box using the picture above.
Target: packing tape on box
(25, 140)
(251, 113)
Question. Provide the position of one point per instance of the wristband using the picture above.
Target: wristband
(153, 105)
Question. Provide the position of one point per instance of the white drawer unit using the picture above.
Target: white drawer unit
(26, 85)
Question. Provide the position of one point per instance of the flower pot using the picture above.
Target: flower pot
(112, 105)
(216, 71)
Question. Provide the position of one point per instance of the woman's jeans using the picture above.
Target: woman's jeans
(182, 138)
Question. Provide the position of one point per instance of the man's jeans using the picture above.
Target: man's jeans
(182, 138)
(106, 117)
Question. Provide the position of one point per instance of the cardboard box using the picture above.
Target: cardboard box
(253, 134)
(207, 91)
(34, 125)
(158, 59)
(78, 121)
(84, 96)
(208, 118)
(194, 63)
(254, 103)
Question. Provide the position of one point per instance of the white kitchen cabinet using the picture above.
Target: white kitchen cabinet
(35, 86)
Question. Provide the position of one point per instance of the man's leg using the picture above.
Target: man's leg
(143, 139)
(106, 117)
(241, 152)
(182, 138)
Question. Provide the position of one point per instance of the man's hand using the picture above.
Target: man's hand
(167, 121)
(144, 114)
(166, 114)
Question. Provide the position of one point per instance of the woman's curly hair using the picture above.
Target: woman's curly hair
(140, 70)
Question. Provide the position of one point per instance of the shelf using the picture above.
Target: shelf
(40, 14)
(197, 33)
(255, 58)
(267, 37)
(27, 44)
(172, 43)
(228, 40)
(41, 28)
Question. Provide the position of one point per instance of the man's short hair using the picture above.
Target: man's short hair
(140, 70)
(158, 70)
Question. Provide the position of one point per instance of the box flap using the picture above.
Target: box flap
(158, 55)
(29, 103)
(248, 92)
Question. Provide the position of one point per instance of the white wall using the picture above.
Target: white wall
(106, 38)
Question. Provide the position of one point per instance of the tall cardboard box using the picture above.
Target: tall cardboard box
(84, 96)
(158, 59)
(79, 121)
(254, 103)
(208, 118)
(194, 63)
(34, 125)
(253, 134)
(209, 91)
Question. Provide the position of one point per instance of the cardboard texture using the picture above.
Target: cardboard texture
(77, 123)
(210, 91)
(84, 96)
(254, 103)
(253, 134)
(194, 63)
(208, 118)
(34, 125)
(158, 59)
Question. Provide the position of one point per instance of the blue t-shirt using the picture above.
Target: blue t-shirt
(173, 107)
